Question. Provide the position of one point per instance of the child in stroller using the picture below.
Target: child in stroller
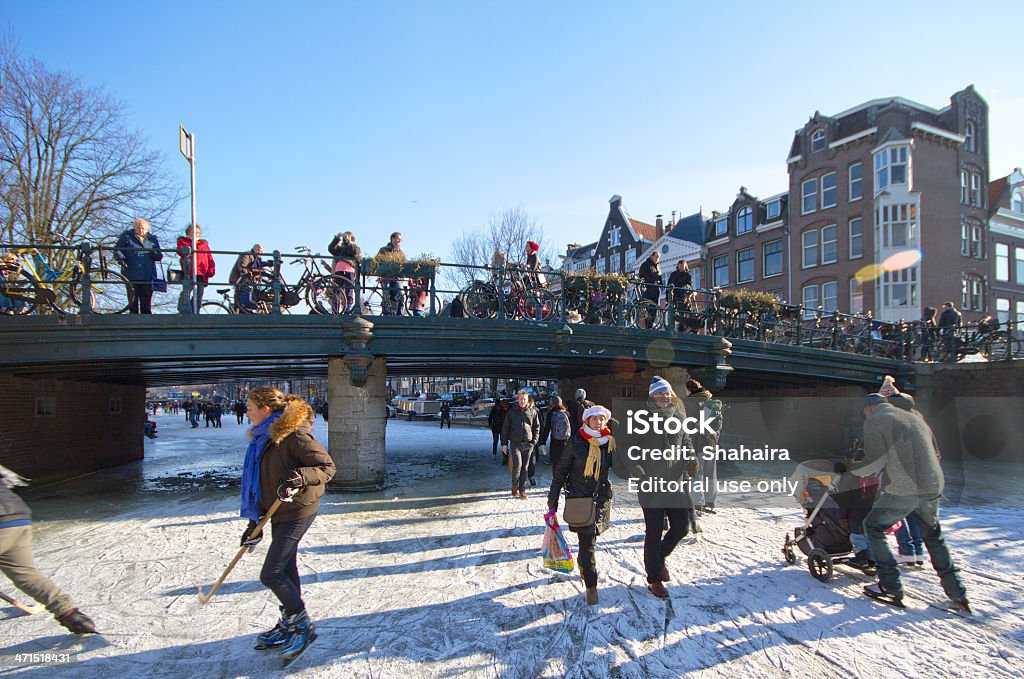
(835, 503)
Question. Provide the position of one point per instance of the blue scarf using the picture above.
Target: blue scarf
(251, 468)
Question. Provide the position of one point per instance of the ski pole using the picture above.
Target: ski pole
(205, 598)
(30, 609)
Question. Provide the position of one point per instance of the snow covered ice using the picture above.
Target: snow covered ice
(439, 575)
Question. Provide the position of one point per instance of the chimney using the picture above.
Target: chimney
(674, 213)
(715, 214)
(659, 225)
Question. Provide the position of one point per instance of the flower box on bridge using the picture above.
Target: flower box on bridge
(396, 269)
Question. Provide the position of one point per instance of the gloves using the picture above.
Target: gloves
(249, 538)
(289, 486)
(553, 506)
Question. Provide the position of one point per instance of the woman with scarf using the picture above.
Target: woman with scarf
(283, 462)
(583, 472)
(664, 506)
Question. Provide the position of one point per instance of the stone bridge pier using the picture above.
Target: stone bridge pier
(356, 421)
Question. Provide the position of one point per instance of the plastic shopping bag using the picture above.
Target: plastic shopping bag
(554, 550)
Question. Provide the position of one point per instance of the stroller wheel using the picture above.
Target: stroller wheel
(787, 551)
(819, 563)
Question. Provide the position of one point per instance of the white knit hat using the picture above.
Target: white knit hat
(596, 410)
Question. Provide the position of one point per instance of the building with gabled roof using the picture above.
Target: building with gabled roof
(1006, 243)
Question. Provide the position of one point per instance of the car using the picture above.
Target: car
(429, 396)
(457, 398)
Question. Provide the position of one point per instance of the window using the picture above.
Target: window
(1003, 310)
(1020, 316)
(817, 141)
(890, 167)
(745, 265)
(856, 297)
(963, 187)
(116, 406)
(1017, 202)
(772, 258)
(720, 271)
(773, 210)
(630, 260)
(970, 140)
(614, 237)
(828, 190)
(613, 263)
(974, 194)
(810, 248)
(856, 181)
(695, 272)
(898, 225)
(856, 238)
(809, 192)
(1018, 256)
(970, 239)
(722, 227)
(46, 406)
(744, 221)
(829, 244)
(600, 266)
(829, 296)
(1002, 262)
(809, 300)
(973, 293)
(899, 288)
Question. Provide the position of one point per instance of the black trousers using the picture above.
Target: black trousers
(586, 558)
(658, 545)
(555, 450)
(141, 299)
(280, 572)
(497, 438)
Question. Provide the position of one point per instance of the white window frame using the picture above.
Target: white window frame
(809, 192)
(753, 265)
(963, 187)
(829, 302)
(857, 239)
(809, 303)
(972, 292)
(630, 259)
(600, 265)
(974, 193)
(765, 270)
(885, 160)
(856, 296)
(715, 269)
(614, 236)
(1019, 315)
(1003, 262)
(1017, 201)
(613, 263)
(904, 279)
(1018, 265)
(856, 184)
(805, 248)
(970, 138)
(829, 193)
(818, 140)
(1003, 310)
(773, 210)
(722, 227)
(834, 240)
(744, 214)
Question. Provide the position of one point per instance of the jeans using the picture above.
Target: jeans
(280, 572)
(16, 562)
(185, 299)
(859, 541)
(393, 290)
(908, 537)
(888, 510)
(657, 546)
(520, 453)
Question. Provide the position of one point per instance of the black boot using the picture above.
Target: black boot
(78, 622)
(861, 562)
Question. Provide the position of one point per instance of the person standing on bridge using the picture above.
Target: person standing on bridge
(138, 251)
(650, 276)
(284, 462)
(520, 433)
(17, 563)
(246, 269)
(346, 259)
(393, 288)
(583, 473)
(206, 268)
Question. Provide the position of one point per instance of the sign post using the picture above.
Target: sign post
(187, 146)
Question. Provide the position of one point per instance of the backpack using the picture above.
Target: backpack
(712, 409)
(560, 425)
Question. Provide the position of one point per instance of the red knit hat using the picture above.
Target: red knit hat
(531, 246)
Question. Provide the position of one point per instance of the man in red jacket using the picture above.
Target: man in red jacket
(205, 268)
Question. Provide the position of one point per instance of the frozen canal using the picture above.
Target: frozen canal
(438, 575)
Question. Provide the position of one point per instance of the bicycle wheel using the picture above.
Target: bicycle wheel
(330, 294)
(538, 304)
(253, 295)
(20, 298)
(481, 301)
(109, 293)
(215, 309)
(646, 315)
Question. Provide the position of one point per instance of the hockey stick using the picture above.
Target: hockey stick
(30, 609)
(205, 598)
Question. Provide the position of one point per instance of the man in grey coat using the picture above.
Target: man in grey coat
(902, 445)
(520, 433)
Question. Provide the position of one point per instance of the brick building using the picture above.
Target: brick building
(888, 208)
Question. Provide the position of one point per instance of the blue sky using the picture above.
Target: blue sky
(316, 117)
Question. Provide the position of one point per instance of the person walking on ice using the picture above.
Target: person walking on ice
(17, 563)
(283, 462)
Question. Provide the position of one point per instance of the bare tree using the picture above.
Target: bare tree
(507, 233)
(70, 166)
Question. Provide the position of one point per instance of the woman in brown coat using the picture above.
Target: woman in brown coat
(283, 462)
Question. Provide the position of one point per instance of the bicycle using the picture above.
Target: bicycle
(522, 298)
(325, 292)
(30, 282)
(643, 312)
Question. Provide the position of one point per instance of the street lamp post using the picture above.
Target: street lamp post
(187, 145)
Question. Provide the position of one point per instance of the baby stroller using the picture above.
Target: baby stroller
(825, 536)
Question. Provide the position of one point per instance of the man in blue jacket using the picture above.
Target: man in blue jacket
(138, 251)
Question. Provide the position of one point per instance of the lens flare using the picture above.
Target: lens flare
(901, 260)
(868, 273)
(624, 368)
(660, 353)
